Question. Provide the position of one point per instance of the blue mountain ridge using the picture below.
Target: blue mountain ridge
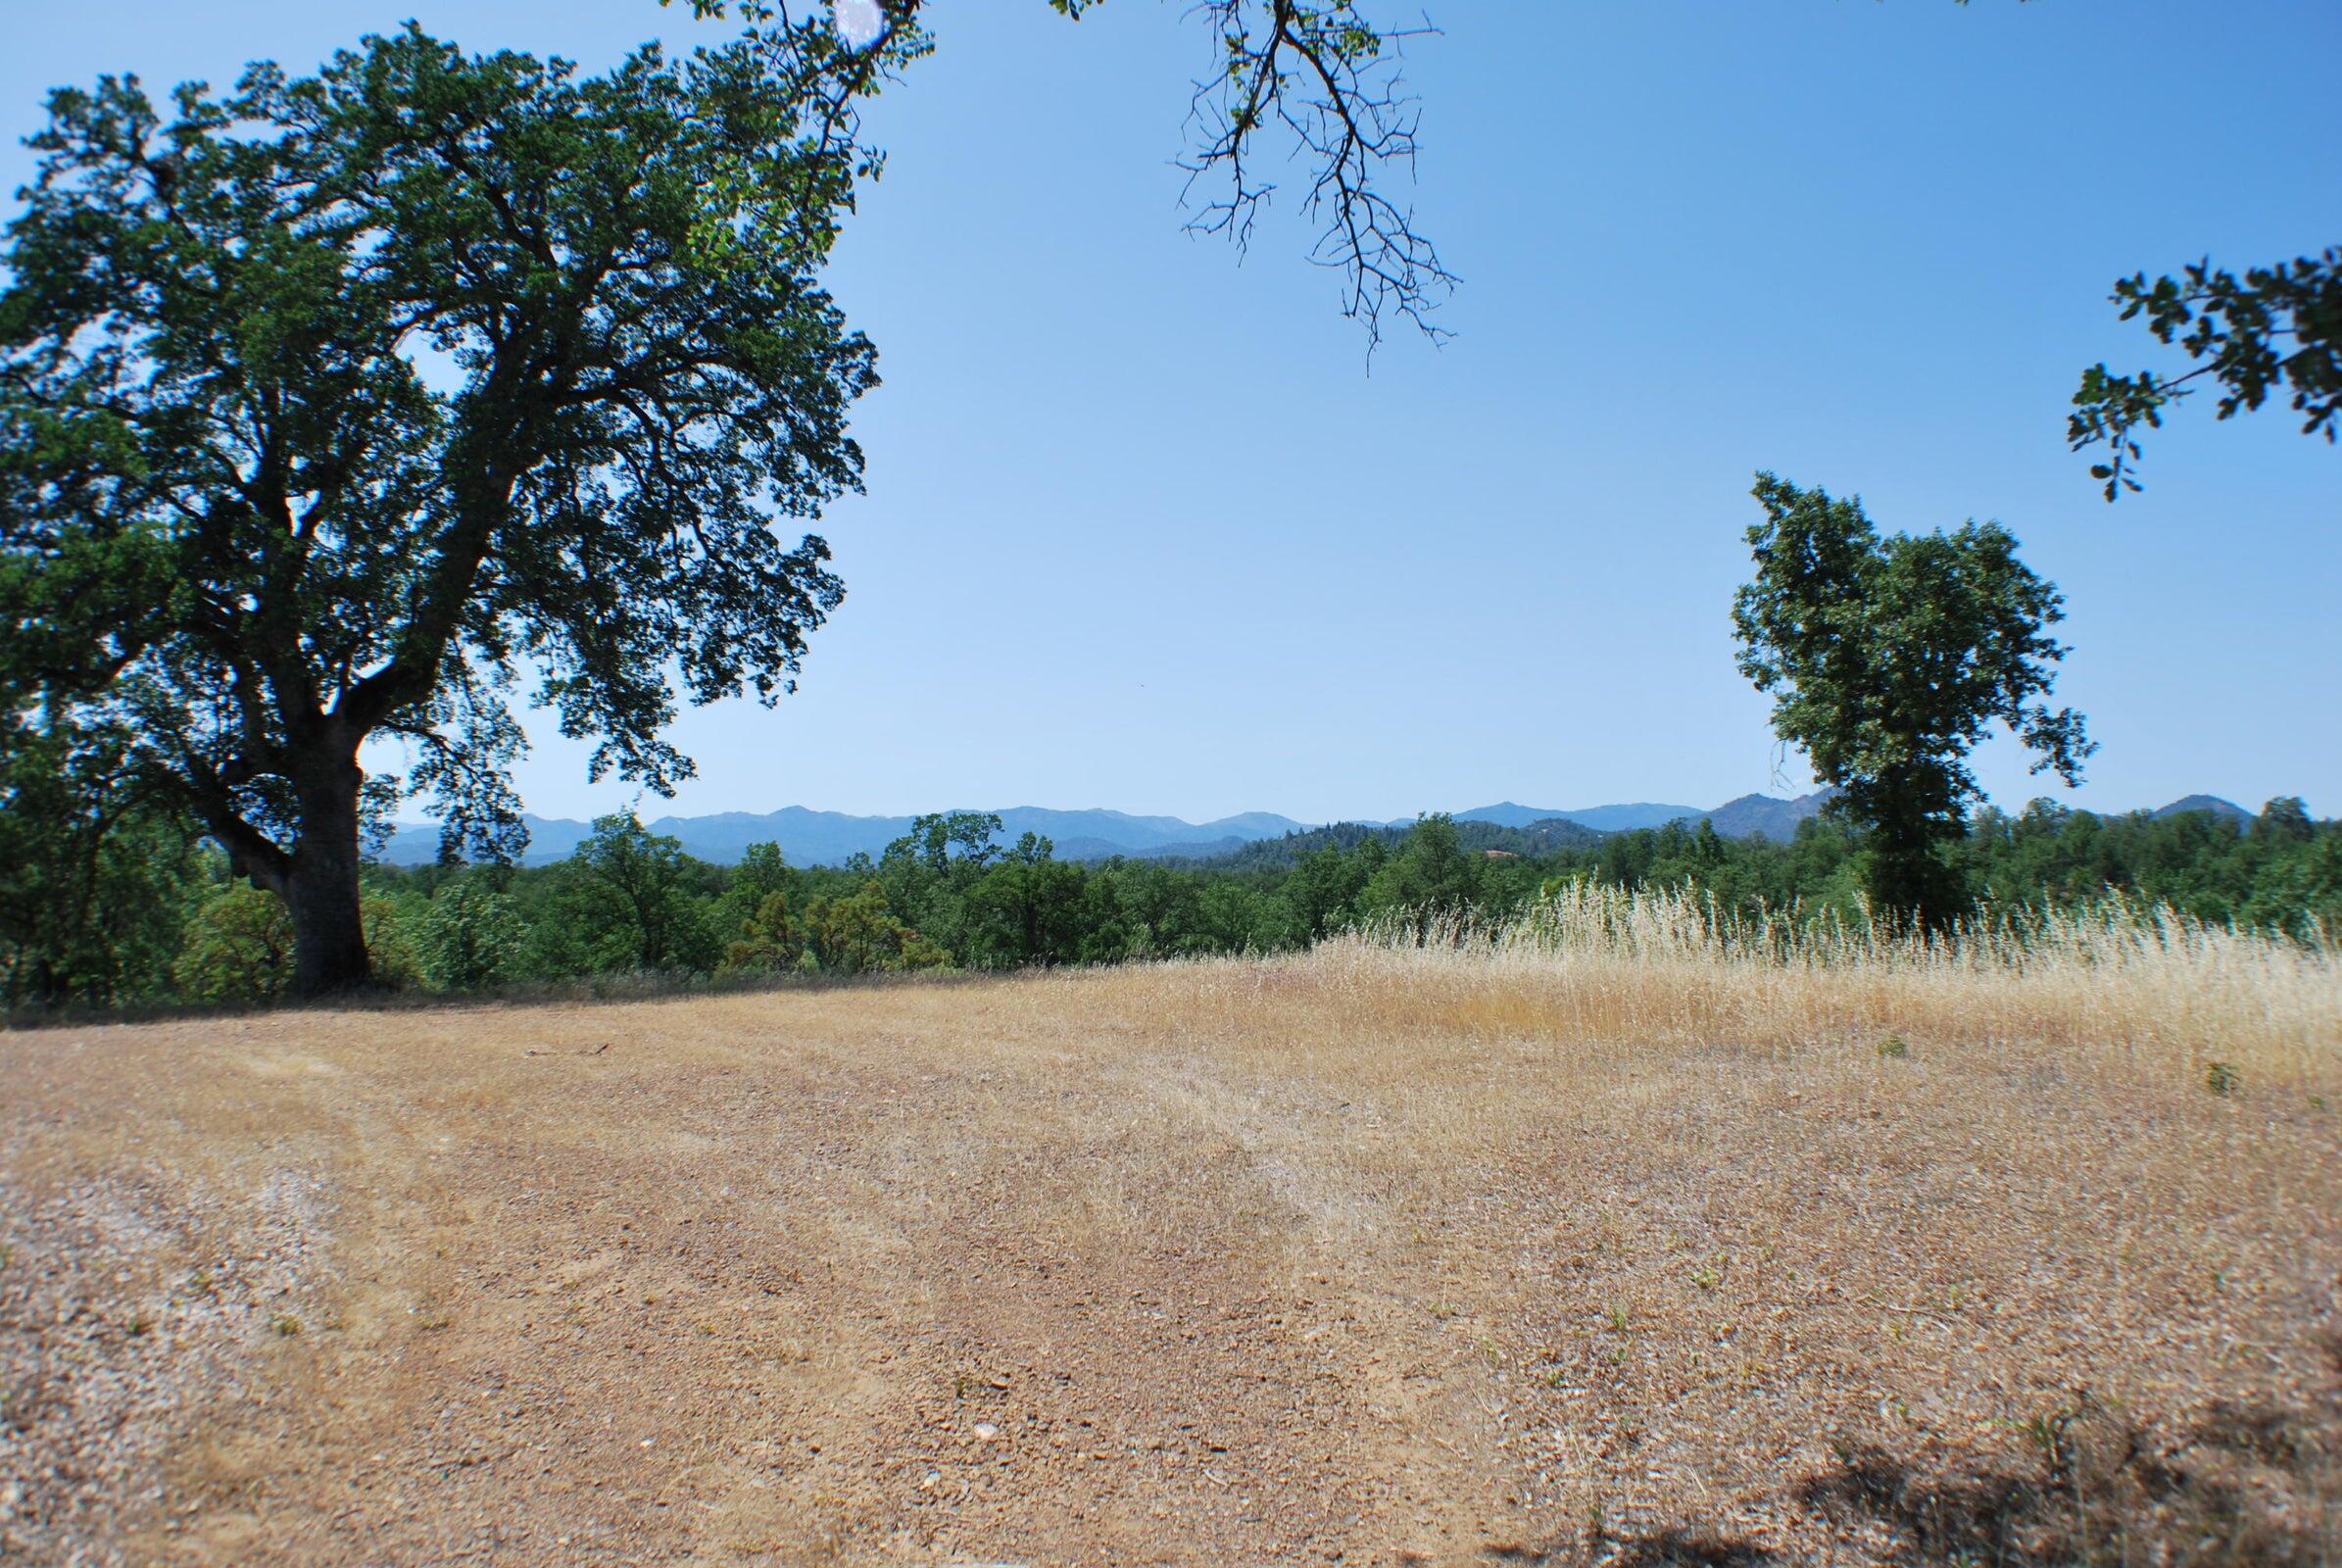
(1601, 818)
(808, 837)
(2228, 811)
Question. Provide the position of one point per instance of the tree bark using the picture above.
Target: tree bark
(329, 955)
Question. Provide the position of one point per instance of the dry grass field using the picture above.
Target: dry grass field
(1619, 1240)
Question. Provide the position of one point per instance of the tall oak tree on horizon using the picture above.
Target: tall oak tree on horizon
(1888, 660)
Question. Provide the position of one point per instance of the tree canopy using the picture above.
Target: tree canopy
(1889, 660)
(327, 404)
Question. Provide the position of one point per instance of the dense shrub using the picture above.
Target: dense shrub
(239, 948)
(467, 938)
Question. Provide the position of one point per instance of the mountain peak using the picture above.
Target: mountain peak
(1620, 818)
(2228, 811)
(1766, 817)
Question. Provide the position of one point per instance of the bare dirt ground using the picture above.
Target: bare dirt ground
(1255, 1263)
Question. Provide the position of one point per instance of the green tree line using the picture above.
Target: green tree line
(158, 918)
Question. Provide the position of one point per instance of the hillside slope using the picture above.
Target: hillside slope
(1766, 817)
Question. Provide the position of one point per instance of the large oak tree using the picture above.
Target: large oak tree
(328, 406)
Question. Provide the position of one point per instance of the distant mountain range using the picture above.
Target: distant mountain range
(1477, 835)
(829, 838)
(1601, 818)
(1764, 816)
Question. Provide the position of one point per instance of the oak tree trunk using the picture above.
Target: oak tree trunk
(322, 889)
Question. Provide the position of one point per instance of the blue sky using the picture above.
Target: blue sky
(1143, 533)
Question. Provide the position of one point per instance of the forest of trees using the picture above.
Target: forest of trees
(149, 917)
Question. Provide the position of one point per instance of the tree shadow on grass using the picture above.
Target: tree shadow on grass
(1686, 1548)
(2242, 1485)
(1671, 1548)
(619, 987)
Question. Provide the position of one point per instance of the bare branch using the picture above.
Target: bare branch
(1334, 86)
(1314, 74)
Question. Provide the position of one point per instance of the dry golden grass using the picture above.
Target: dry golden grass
(2165, 991)
(1611, 1239)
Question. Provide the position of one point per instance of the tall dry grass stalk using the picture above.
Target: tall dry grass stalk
(2146, 983)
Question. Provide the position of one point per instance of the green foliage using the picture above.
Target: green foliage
(770, 938)
(928, 872)
(468, 936)
(628, 893)
(856, 933)
(1028, 908)
(1325, 889)
(2281, 872)
(387, 919)
(326, 404)
(1889, 660)
(1430, 874)
(632, 892)
(95, 880)
(2278, 328)
(239, 948)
